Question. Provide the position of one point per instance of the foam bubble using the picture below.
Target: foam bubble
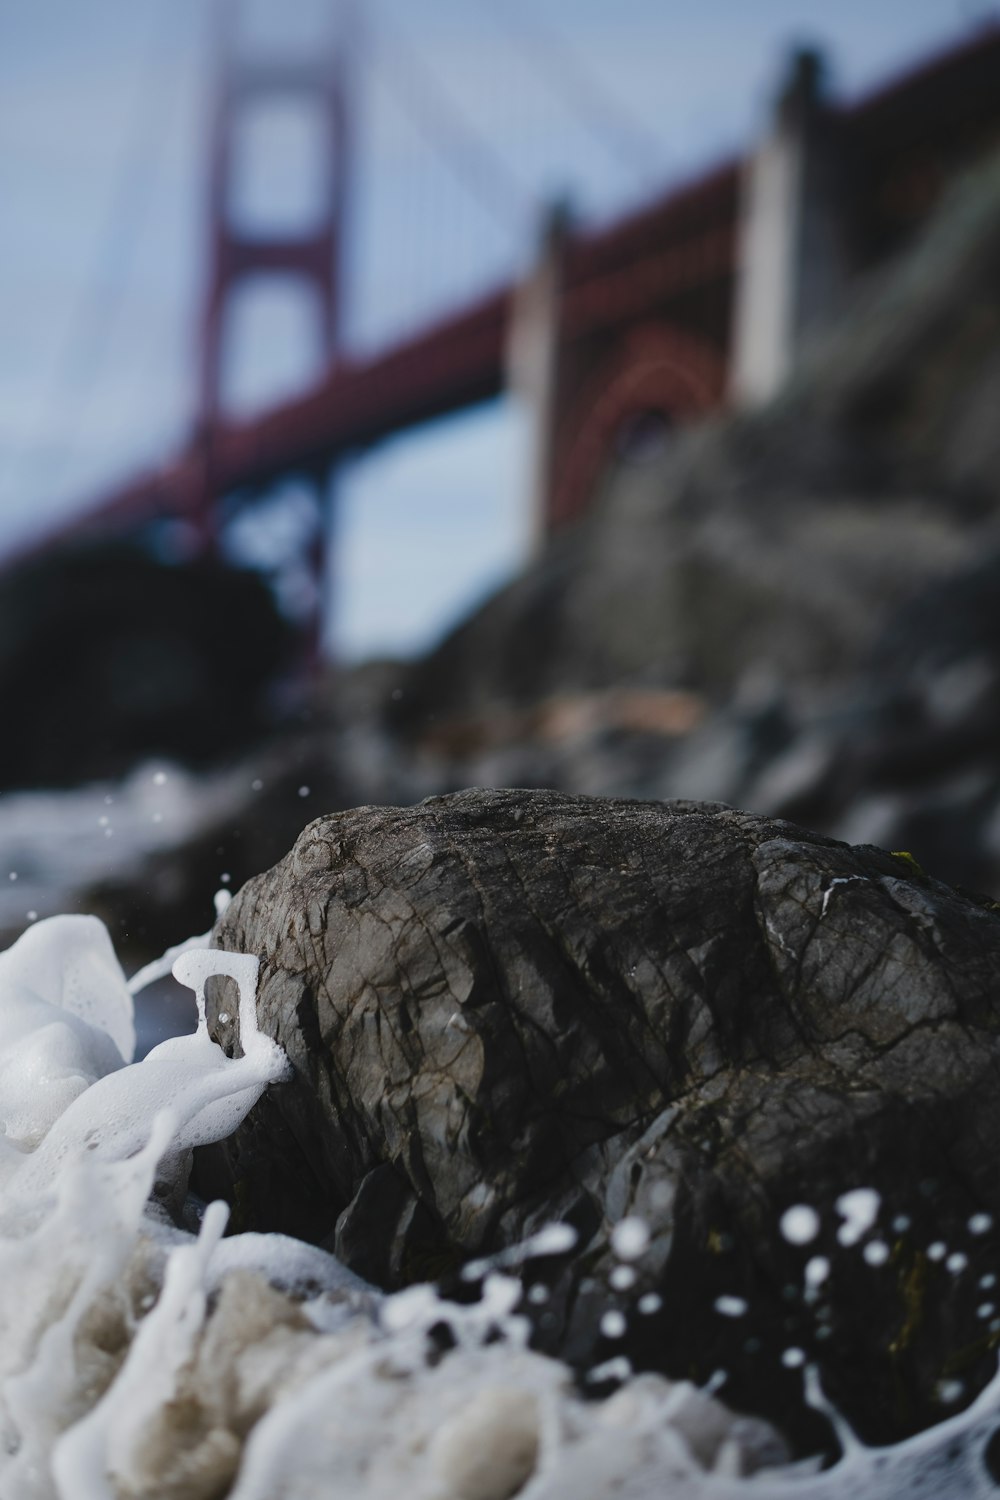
(799, 1224)
(630, 1238)
(817, 1271)
(613, 1324)
(859, 1210)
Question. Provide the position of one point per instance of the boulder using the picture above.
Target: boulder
(666, 1025)
(107, 657)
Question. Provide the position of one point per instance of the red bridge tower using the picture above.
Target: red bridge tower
(313, 256)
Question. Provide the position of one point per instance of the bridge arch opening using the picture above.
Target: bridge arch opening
(273, 343)
(426, 525)
(279, 176)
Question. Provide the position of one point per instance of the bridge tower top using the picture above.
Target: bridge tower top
(312, 255)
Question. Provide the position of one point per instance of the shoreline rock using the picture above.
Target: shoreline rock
(510, 1008)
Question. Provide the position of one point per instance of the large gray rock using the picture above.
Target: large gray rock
(506, 1008)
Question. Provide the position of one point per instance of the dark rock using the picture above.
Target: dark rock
(107, 656)
(505, 1009)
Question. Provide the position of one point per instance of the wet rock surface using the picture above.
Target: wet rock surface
(510, 1008)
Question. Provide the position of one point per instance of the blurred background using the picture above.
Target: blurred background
(397, 397)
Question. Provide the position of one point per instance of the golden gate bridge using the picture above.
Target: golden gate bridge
(702, 297)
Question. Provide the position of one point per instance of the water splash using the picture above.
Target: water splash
(139, 1360)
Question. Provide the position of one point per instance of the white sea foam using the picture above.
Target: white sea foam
(817, 1270)
(630, 1238)
(139, 1360)
(800, 1224)
(859, 1210)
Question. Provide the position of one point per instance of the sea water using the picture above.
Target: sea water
(141, 1360)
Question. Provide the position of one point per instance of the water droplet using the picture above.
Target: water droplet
(618, 1368)
(613, 1324)
(650, 1302)
(817, 1270)
(800, 1224)
(630, 1238)
(792, 1359)
(730, 1307)
(859, 1209)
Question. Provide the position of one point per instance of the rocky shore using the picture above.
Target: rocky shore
(751, 1067)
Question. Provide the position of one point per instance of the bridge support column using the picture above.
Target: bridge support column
(534, 357)
(318, 565)
(792, 245)
(311, 255)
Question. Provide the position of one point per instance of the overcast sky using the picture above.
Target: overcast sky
(102, 113)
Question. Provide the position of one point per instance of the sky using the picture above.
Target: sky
(469, 116)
